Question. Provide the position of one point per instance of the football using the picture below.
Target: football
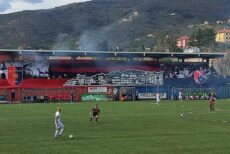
(71, 136)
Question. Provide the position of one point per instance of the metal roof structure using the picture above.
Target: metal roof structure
(157, 55)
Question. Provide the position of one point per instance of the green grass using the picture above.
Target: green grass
(123, 128)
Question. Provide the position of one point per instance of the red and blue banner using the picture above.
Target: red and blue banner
(200, 77)
(95, 67)
(15, 75)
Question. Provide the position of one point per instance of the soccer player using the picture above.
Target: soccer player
(94, 113)
(12, 96)
(59, 125)
(212, 102)
(180, 96)
(158, 98)
(71, 97)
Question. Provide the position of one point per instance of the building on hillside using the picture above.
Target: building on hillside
(183, 41)
(219, 22)
(206, 23)
(191, 49)
(223, 36)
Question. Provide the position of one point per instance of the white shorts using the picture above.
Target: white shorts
(158, 100)
(59, 126)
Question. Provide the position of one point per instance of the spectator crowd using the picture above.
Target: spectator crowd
(41, 70)
(186, 70)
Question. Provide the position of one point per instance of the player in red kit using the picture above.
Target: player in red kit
(212, 102)
(94, 113)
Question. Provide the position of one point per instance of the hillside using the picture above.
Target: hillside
(107, 23)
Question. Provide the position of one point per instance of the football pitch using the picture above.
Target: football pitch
(124, 128)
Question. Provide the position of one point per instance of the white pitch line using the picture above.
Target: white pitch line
(223, 110)
(203, 119)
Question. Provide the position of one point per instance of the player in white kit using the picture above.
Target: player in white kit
(180, 96)
(59, 125)
(158, 98)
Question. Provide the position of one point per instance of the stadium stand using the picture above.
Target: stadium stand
(101, 79)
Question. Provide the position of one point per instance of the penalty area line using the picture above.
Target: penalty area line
(185, 115)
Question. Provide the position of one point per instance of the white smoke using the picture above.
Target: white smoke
(62, 42)
(38, 67)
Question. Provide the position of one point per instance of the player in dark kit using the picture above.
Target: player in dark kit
(94, 113)
(212, 102)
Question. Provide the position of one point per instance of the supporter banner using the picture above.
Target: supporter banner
(97, 89)
(151, 95)
(119, 78)
(15, 75)
(4, 57)
(98, 67)
(96, 97)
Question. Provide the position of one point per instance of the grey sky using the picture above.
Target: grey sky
(9, 6)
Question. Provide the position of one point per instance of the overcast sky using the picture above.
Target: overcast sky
(9, 6)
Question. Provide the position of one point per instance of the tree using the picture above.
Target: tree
(203, 38)
(172, 45)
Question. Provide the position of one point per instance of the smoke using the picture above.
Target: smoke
(117, 33)
(94, 40)
(103, 38)
(36, 65)
(98, 35)
(63, 42)
(99, 39)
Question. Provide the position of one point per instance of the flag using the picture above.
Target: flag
(15, 75)
(200, 77)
